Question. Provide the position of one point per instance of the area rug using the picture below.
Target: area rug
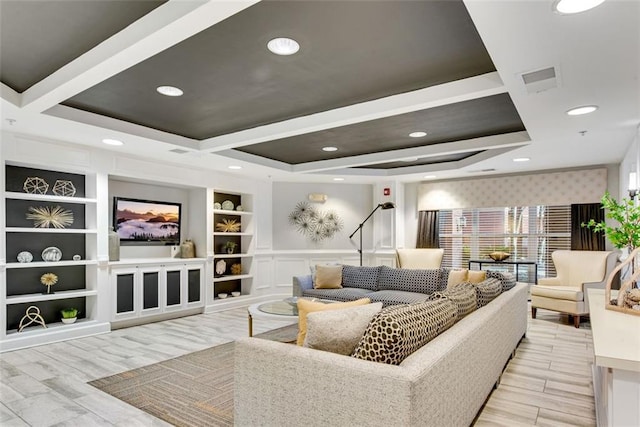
(191, 390)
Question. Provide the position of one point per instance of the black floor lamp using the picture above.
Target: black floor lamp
(386, 205)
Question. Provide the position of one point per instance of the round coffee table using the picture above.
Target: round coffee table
(276, 310)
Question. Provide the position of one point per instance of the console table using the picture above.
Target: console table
(616, 369)
(517, 263)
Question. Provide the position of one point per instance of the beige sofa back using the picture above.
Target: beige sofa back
(445, 383)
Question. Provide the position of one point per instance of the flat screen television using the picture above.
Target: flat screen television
(146, 221)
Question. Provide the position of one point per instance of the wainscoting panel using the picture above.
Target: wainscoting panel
(264, 273)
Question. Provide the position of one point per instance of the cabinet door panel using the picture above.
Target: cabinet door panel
(150, 291)
(173, 288)
(124, 293)
(193, 283)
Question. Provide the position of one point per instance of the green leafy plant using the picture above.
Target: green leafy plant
(69, 313)
(626, 234)
(229, 247)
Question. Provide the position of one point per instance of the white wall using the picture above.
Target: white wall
(352, 203)
(163, 193)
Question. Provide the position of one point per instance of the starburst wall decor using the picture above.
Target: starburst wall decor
(315, 224)
(50, 216)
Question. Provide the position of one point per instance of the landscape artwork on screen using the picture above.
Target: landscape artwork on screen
(147, 221)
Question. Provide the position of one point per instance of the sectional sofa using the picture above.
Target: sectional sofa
(387, 285)
(444, 383)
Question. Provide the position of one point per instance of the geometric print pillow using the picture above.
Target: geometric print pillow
(399, 330)
(487, 291)
(360, 277)
(464, 297)
(425, 281)
(508, 280)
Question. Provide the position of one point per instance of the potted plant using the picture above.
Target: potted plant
(625, 234)
(69, 315)
(229, 247)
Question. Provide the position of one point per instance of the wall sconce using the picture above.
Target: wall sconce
(633, 185)
(318, 197)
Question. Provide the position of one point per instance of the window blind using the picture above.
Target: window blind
(526, 232)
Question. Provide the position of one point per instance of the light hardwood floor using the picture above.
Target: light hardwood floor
(547, 383)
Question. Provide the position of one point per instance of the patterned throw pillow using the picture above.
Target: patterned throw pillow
(464, 297)
(508, 280)
(487, 291)
(398, 331)
(401, 279)
(360, 277)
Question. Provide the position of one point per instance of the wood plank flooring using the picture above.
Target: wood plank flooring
(547, 383)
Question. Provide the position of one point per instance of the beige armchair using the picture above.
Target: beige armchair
(576, 272)
(419, 258)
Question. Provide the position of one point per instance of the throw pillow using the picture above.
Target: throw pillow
(476, 276)
(487, 291)
(328, 277)
(508, 280)
(360, 277)
(464, 297)
(398, 331)
(305, 307)
(339, 331)
(456, 277)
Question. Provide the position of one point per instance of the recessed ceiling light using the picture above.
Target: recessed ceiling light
(575, 6)
(585, 109)
(170, 90)
(329, 148)
(235, 167)
(521, 159)
(429, 177)
(283, 46)
(417, 134)
(110, 141)
(338, 179)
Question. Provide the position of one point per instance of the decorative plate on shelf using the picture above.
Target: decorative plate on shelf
(227, 205)
(239, 208)
(25, 256)
(51, 254)
(217, 206)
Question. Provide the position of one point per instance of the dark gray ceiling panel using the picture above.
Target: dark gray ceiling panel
(465, 120)
(423, 162)
(39, 37)
(351, 52)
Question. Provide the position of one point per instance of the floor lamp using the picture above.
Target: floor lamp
(386, 205)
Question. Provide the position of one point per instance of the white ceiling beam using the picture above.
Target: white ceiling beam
(9, 95)
(514, 139)
(434, 96)
(160, 29)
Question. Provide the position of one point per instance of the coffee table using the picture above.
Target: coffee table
(276, 310)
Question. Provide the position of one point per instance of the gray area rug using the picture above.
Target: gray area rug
(191, 390)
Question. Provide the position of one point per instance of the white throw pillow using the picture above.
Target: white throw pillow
(339, 331)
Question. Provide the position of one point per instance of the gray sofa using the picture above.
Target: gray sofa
(444, 383)
(387, 285)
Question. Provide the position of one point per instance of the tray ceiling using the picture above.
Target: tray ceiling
(367, 74)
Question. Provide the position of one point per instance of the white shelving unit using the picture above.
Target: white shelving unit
(77, 286)
(228, 282)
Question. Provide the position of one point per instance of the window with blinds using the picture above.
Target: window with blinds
(528, 232)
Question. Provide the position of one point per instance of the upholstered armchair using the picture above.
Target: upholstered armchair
(419, 258)
(576, 272)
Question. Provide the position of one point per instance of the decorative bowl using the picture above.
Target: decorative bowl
(222, 295)
(499, 256)
(51, 254)
(235, 294)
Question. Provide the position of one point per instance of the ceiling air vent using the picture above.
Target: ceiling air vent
(179, 151)
(540, 80)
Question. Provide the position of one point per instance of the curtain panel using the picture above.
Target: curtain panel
(428, 229)
(583, 238)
